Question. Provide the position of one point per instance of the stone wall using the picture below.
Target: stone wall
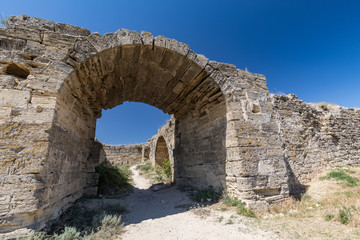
(123, 154)
(315, 138)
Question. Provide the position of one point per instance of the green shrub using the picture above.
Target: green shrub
(345, 215)
(342, 176)
(229, 201)
(329, 217)
(208, 194)
(244, 211)
(324, 106)
(166, 168)
(112, 177)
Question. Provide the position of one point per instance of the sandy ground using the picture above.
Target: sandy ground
(165, 214)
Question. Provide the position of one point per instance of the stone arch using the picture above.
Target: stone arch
(55, 80)
(161, 151)
(127, 66)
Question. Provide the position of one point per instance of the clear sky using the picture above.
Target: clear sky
(307, 47)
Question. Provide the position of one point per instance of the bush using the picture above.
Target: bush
(166, 168)
(324, 106)
(345, 215)
(329, 217)
(229, 201)
(112, 178)
(205, 195)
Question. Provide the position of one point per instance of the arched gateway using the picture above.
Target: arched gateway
(56, 79)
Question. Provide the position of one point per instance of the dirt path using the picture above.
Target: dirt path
(165, 214)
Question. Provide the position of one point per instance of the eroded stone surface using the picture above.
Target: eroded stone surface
(227, 131)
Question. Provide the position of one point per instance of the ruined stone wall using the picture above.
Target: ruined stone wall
(315, 138)
(123, 154)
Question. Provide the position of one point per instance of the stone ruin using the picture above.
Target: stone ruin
(229, 132)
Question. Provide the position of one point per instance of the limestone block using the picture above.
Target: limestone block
(84, 49)
(147, 38)
(98, 41)
(30, 22)
(126, 37)
(33, 115)
(160, 41)
(201, 60)
(71, 29)
(179, 47)
(12, 44)
(58, 40)
(43, 101)
(22, 33)
(5, 114)
(14, 98)
(7, 81)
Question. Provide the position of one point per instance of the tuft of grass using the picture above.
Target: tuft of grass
(206, 195)
(113, 177)
(324, 106)
(230, 201)
(329, 217)
(247, 212)
(342, 176)
(240, 206)
(345, 215)
(229, 222)
(4, 21)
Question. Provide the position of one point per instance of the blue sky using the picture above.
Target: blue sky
(307, 47)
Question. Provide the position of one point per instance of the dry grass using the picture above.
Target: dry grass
(329, 209)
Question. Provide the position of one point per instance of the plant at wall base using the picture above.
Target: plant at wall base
(166, 168)
(206, 195)
(240, 206)
(113, 178)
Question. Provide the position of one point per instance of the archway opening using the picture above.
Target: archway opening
(129, 123)
(161, 152)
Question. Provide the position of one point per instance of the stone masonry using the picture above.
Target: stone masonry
(228, 131)
(123, 154)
